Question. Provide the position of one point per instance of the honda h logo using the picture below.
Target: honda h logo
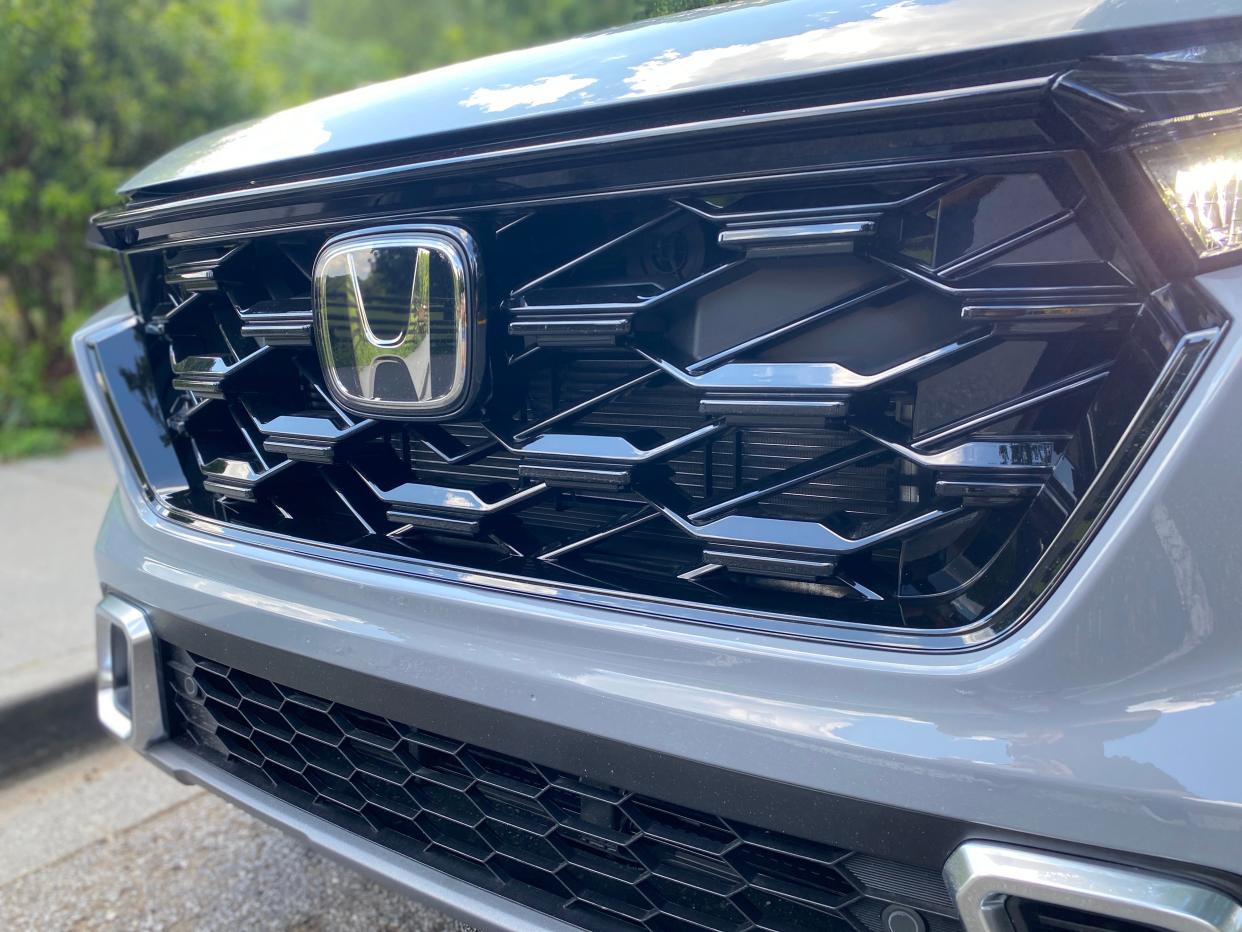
(397, 321)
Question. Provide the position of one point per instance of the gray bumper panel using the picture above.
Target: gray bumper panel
(1107, 720)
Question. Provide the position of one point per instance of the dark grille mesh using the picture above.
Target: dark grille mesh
(594, 855)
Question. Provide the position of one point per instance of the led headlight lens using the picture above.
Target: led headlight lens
(1199, 179)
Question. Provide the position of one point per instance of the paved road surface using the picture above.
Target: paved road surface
(50, 508)
(105, 841)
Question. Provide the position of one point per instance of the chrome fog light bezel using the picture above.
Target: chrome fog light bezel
(128, 699)
(982, 875)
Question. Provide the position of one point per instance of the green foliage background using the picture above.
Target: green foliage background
(94, 89)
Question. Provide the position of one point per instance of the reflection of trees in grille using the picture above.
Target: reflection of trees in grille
(396, 293)
(393, 322)
(140, 382)
(395, 285)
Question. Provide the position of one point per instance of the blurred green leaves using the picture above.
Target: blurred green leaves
(327, 45)
(94, 89)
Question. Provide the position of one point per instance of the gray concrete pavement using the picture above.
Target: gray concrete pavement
(50, 508)
(106, 841)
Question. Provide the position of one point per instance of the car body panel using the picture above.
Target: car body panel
(740, 45)
(1105, 720)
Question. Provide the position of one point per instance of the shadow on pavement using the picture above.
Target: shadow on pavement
(48, 728)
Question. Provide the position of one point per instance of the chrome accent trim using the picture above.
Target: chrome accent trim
(456, 248)
(596, 448)
(790, 535)
(851, 210)
(1016, 454)
(980, 875)
(1049, 313)
(133, 680)
(573, 326)
(412, 497)
(806, 377)
(789, 407)
(779, 240)
(206, 375)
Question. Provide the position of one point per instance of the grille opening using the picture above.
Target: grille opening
(889, 436)
(596, 855)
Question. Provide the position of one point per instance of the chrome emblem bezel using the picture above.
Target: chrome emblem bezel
(460, 254)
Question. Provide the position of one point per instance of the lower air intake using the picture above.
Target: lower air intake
(593, 855)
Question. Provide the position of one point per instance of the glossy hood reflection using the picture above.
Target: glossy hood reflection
(704, 50)
(536, 94)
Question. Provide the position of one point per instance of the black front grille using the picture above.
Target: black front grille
(594, 855)
(904, 427)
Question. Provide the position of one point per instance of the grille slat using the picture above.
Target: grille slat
(598, 856)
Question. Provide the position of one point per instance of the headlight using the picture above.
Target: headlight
(1198, 179)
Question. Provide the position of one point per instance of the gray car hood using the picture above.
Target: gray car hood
(712, 49)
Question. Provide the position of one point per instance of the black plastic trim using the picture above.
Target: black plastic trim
(906, 835)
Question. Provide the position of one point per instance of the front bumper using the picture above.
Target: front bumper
(1106, 721)
(976, 873)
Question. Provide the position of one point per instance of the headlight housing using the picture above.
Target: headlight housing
(1198, 178)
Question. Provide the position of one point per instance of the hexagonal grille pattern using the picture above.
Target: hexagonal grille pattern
(597, 856)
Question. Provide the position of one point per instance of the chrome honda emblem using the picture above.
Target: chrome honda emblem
(397, 321)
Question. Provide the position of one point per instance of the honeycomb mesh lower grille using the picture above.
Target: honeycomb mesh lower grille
(594, 855)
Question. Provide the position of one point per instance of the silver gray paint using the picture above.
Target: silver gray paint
(735, 45)
(1111, 718)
